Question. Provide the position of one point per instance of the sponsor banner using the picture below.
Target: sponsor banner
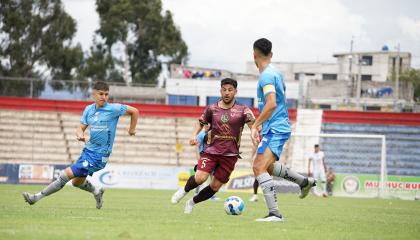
(9, 173)
(243, 180)
(38, 173)
(29, 173)
(141, 176)
(365, 185)
(168, 177)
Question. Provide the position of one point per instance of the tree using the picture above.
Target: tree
(412, 75)
(145, 35)
(100, 65)
(35, 42)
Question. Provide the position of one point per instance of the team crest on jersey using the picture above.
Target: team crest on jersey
(225, 118)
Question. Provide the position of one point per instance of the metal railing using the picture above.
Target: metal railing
(55, 89)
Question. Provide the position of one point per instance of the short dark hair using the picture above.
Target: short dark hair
(316, 145)
(101, 86)
(230, 81)
(263, 45)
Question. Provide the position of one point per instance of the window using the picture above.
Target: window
(373, 108)
(183, 100)
(393, 64)
(324, 106)
(211, 100)
(366, 77)
(301, 75)
(242, 100)
(329, 76)
(394, 61)
(246, 101)
(367, 60)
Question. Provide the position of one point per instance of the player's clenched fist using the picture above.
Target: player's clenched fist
(131, 132)
(193, 141)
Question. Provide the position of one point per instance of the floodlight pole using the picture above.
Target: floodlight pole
(359, 80)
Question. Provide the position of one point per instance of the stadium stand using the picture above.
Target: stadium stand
(402, 133)
(29, 135)
(45, 131)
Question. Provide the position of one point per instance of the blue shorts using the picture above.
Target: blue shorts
(274, 141)
(88, 163)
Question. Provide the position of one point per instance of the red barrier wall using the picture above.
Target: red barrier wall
(158, 110)
(385, 118)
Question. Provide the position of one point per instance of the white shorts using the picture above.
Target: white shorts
(319, 176)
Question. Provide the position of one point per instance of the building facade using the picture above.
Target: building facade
(357, 81)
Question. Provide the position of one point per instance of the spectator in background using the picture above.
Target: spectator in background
(319, 168)
(207, 74)
(187, 73)
(197, 74)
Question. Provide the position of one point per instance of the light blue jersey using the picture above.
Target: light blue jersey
(102, 123)
(271, 81)
(200, 140)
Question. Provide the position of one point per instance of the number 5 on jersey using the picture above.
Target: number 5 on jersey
(203, 163)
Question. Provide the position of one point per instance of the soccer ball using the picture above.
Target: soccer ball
(234, 205)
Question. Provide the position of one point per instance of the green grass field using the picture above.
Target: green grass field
(148, 214)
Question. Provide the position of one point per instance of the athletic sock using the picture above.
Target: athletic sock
(191, 184)
(54, 186)
(204, 194)
(88, 186)
(282, 171)
(267, 186)
(256, 186)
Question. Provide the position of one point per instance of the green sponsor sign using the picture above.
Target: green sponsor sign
(365, 185)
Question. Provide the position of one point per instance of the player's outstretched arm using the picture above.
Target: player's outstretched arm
(80, 133)
(134, 113)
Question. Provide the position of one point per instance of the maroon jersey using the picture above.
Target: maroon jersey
(226, 127)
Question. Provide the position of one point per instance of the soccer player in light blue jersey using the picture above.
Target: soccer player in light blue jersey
(102, 118)
(270, 132)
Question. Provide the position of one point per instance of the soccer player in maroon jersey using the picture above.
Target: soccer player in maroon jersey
(227, 119)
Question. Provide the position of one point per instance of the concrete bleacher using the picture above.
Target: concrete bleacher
(27, 136)
(49, 137)
(355, 155)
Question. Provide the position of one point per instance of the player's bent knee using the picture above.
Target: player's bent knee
(258, 168)
(215, 186)
(69, 173)
(78, 181)
(200, 178)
